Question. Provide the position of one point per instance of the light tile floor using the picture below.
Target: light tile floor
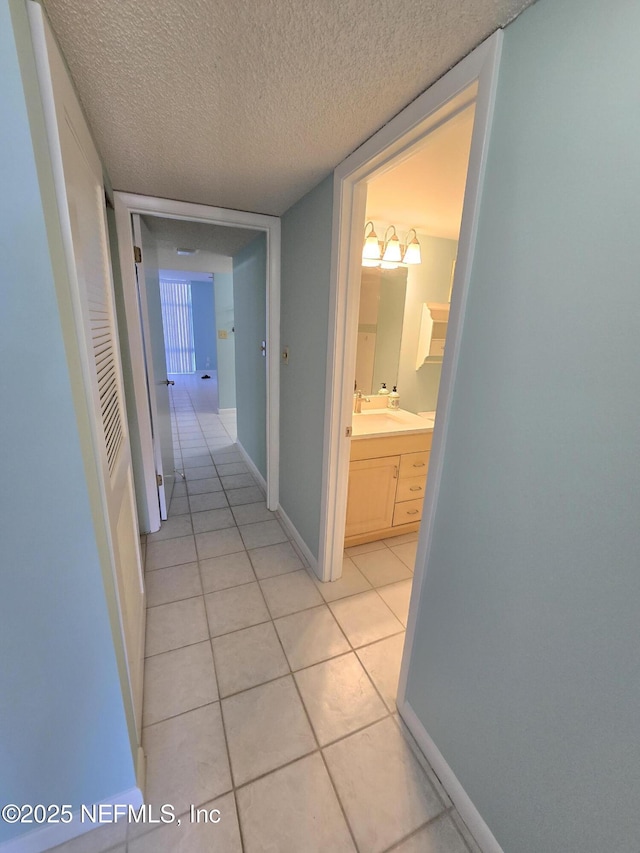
(268, 695)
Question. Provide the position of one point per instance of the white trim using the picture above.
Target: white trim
(131, 297)
(251, 465)
(450, 782)
(142, 303)
(125, 205)
(298, 540)
(141, 769)
(226, 411)
(52, 835)
(393, 142)
(488, 82)
(80, 369)
(284, 518)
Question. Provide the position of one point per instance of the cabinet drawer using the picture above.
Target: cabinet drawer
(414, 464)
(407, 511)
(411, 488)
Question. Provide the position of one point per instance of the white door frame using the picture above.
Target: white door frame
(125, 205)
(58, 100)
(394, 142)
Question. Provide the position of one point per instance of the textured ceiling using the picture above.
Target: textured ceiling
(181, 234)
(248, 104)
(426, 191)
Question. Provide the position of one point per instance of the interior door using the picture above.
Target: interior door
(81, 207)
(158, 381)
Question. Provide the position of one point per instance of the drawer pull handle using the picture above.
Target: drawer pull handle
(415, 489)
(413, 511)
(418, 464)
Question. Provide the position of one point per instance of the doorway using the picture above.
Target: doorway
(190, 217)
(401, 332)
(473, 81)
(413, 214)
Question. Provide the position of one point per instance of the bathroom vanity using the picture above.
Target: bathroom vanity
(388, 468)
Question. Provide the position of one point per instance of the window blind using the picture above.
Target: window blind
(177, 322)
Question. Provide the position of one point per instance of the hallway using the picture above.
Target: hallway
(268, 695)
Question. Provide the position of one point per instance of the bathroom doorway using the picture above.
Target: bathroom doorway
(470, 84)
(409, 247)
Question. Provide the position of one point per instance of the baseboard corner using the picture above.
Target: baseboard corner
(251, 465)
(298, 541)
(476, 824)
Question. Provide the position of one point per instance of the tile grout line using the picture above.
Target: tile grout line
(422, 826)
(215, 675)
(272, 620)
(315, 737)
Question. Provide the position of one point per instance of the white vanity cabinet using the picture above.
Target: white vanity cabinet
(387, 479)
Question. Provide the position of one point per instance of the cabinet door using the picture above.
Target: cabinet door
(372, 494)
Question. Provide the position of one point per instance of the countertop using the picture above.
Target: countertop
(377, 423)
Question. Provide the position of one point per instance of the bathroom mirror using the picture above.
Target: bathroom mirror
(382, 299)
(390, 324)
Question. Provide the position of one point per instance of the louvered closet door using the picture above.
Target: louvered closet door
(90, 273)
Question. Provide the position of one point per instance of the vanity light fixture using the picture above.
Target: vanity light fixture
(371, 249)
(412, 252)
(390, 253)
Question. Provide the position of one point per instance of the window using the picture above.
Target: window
(177, 322)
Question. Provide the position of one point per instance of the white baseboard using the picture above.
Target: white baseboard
(52, 835)
(226, 411)
(299, 541)
(252, 467)
(461, 800)
(141, 769)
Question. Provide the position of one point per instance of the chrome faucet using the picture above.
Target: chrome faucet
(357, 402)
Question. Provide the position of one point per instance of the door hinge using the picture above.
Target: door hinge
(348, 431)
(137, 254)
(159, 479)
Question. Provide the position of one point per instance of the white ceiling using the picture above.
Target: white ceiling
(426, 191)
(203, 262)
(248, 104)
(215, 244)
(214, 239)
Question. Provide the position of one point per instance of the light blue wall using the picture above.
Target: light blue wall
(204, 325)
(525, 670)
(225, 347)
(306, 259)
(428, 282)
(63, 736)
(250, 312)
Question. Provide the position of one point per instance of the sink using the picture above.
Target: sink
(388, 422)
